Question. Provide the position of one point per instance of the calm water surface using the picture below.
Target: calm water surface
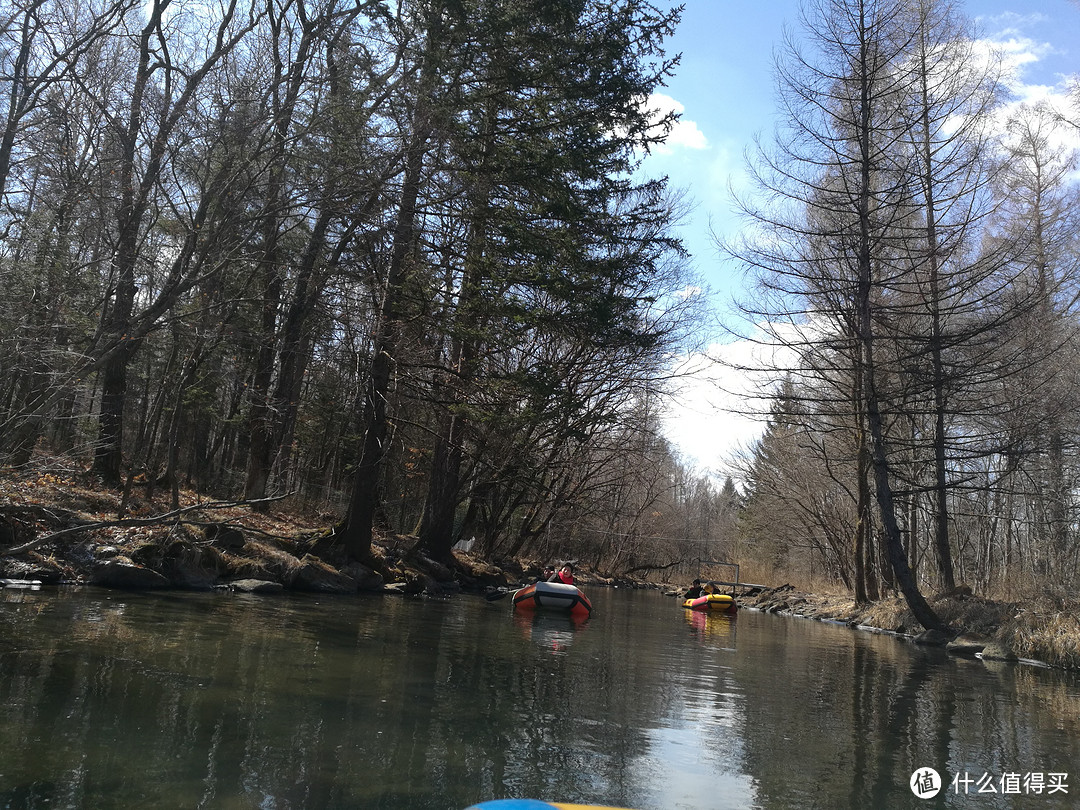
(181, 700)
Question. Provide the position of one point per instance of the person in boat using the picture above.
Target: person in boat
(564, 574)
(694, 591)
(549, 572)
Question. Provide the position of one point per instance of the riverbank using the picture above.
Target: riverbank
(1034, 633)
(68, 533)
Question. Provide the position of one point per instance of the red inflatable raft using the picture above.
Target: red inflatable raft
(553, 596)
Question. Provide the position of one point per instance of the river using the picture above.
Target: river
(215, 700)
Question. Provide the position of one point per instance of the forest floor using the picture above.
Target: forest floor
(68, 528)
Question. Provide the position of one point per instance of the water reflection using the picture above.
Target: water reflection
(873, 710)
(553, 632)
(712, 627)
(202, 700)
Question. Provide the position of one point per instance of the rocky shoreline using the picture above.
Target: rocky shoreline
(992, 631)
(195, 559)
(980, 628)
(69, 536)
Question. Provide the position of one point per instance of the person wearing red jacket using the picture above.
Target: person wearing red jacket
(564, 574)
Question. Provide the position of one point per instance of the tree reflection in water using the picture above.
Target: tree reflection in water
(210, 700)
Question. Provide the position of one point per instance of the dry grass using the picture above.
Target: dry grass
(1053, 638)
(1045, 630)
(974, 615)
(57, 498)
(887, 614)
(261, 560)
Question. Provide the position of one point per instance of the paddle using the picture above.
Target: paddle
(495, 596)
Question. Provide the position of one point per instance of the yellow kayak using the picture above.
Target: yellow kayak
(720, 602)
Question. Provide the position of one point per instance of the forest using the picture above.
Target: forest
(397, 265)
(392, 262)
(913, 241)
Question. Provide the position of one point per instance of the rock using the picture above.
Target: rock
(127, 576)
(439, 571)
(415, 582)
(256, 586)
(42, 573)
(9, 535)
(966, 645)
(485, 575)
(225, 536)
(431, 586)
(366, 579)
(194, 567)
(246, 568)
(312, 574)
(933, 638)
(997, 652)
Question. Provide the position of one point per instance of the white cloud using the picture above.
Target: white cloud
(684, 134)
(1020, 54)
(1025, 57)
(703, 423)
(690, 291)
(720, 404)
(1029, 77)
(1024, 60)
(725, 392)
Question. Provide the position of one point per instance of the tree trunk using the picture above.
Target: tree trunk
(437, 525)
(894, 546)
(355, 530)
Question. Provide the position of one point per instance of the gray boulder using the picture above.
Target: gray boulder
(126, 575)
(997, 652)
(256, 586)
(966, 645)
(312, 574)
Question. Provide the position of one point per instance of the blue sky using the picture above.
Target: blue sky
(724, 90)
